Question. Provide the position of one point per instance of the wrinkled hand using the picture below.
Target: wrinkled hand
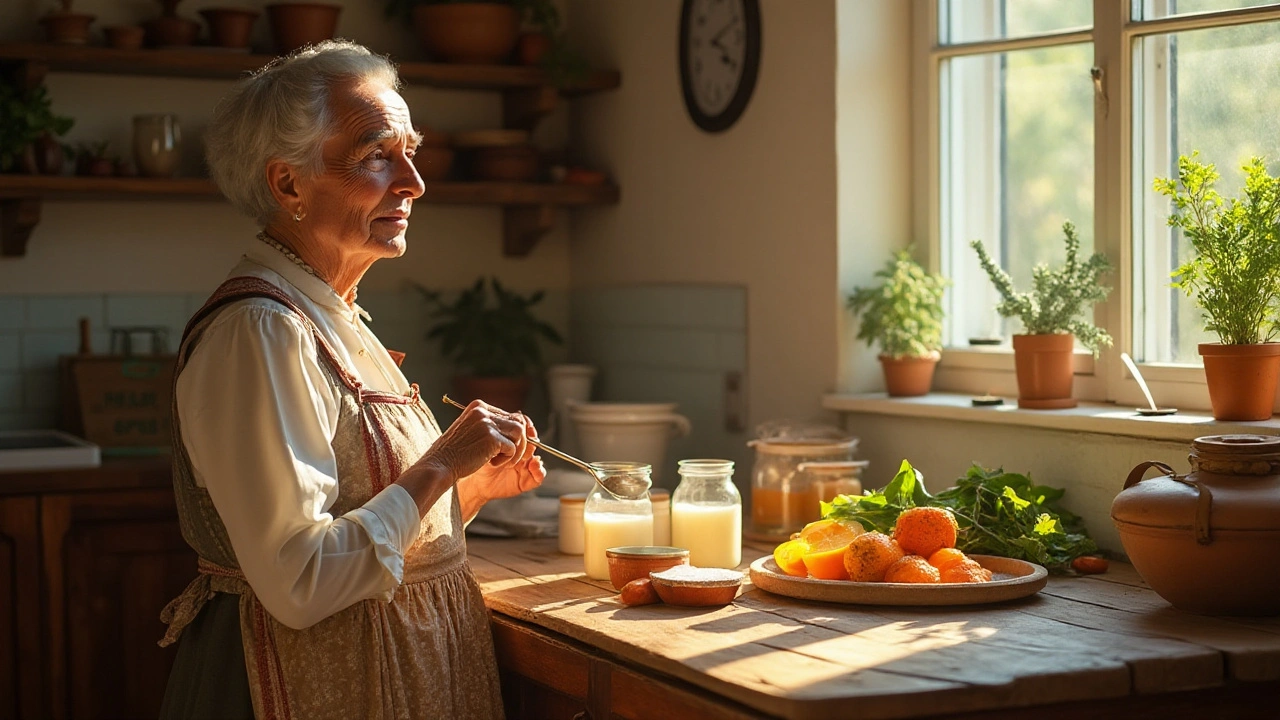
(520, 475)
(483, 436)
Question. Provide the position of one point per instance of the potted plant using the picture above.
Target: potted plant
(903, 314)
(28, 130)
(494, 342)
(1234, 276)
(1051, 321)
(65, 27)
(543, 44)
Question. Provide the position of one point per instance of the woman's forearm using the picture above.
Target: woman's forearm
(470, 498)
(425, 483)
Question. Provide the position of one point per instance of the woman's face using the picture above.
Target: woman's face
(359, 205)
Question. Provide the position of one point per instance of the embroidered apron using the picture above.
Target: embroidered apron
(426, 654)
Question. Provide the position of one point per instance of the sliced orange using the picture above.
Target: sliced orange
(790, 557)
(826, 564)
(827, 540)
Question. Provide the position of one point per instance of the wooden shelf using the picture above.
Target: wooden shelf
(529, 208)
(205, 62)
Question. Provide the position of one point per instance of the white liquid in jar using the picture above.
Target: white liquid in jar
(711, 533)
(602, 531)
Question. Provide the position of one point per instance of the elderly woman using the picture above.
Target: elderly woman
(325, 504)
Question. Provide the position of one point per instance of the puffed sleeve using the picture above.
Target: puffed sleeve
(257, 416)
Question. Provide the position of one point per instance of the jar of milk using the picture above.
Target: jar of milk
(609, 521)
(706, 514)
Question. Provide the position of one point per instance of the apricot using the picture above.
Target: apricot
(869, 556)
(925, 530)
(912, 569)
(968, 571)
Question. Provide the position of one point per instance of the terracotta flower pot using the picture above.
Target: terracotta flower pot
(44, 156)
(1206, 542)
(230, 27)
(518, 163)
(477, 33)
(1241, 379)
(1044, 369)
(171, 31)
(124, 37)
(508, 393)
(67, 28)
(909, 376)
(294, 25)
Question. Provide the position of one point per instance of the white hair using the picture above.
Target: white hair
(282, 112)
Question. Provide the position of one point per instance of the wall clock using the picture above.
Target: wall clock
(719, 59)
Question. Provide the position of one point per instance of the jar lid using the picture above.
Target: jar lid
(834, 467)
(570, 498)
(647, 551)
(803, 447)
(659, 495)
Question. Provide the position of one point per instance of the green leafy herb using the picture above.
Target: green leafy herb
(904, 312)
(998, 513)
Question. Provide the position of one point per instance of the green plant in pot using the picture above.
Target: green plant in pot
(903, 315)
(1234, 276)
(29, 130)
(493, 338)
(1052, 320)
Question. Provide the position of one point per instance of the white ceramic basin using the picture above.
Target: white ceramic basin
(45, 450)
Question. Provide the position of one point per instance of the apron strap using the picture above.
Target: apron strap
(182, 610)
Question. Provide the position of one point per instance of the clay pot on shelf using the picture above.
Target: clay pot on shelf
(1206, 541)
(67, 28)
(477, 33)
(229, 27)
(157, 144)
(124, 37)
(1241, 379)
(44, 156)
(295, 25)
(516, 163)
(1044, 366)
(909, 376)
(531, 47)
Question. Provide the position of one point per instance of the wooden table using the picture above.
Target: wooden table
(1093, 647)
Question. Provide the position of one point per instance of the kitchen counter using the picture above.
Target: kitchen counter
(1099, 646)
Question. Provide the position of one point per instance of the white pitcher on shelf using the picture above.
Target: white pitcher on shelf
(566, 383)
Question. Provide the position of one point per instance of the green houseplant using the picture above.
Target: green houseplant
(903, 315)
(1234, 276)
(28, 128)
(490, 334)
(1052, 319)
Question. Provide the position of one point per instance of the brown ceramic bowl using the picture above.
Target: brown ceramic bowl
(230, 27)
(124, 37)
(470, 33)
(518, 163)
(695, 586)
(295, 24)
(433, 163)
(632, 562)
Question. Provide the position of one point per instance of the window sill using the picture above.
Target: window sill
(1089, 417)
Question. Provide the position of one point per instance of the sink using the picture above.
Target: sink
(45, 450)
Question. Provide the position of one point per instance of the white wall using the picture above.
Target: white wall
(761, 205)
(144, 246)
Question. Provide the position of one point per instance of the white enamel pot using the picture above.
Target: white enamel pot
(628, 432)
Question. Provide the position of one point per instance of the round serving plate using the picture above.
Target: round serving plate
(1011, 579)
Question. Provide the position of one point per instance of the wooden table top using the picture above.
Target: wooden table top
(1081, 638)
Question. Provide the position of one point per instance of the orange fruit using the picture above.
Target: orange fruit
(912, 569)
(789, 556)
(925, 530)
(826, 564)
(870, 555)
(827, 540)
(968, 571)
(946, 557)
(830, 532)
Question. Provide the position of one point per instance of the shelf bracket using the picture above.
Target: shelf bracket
(18, 217)
(523, 108)
(523, 226)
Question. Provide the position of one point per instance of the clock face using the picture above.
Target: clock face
(719, 59)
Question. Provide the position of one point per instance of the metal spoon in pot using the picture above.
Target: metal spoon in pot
(1142, 385)
(623, 487)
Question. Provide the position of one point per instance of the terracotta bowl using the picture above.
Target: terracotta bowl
(294, 25)
(67, 28)
(230, 27)
(124, 37)
(696, 587)
(433, 163)
(171, 31)
(477, 33)
(518, 163)
(633, 562)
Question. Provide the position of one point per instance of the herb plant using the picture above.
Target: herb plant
(1234, 274)
(998, 513)
(24, 117)
(904, 312)
(486, 337)
(1058, 296)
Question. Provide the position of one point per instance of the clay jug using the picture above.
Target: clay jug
(1207, 541)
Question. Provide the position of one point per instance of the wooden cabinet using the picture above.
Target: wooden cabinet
(84, 573)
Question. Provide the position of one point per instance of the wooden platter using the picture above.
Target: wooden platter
(1011, 579)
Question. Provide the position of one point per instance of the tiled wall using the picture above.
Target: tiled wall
(669, 343)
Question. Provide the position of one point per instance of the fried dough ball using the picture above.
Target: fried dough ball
(912, 569)
(925, 530)
(870, 555)
(968, 571)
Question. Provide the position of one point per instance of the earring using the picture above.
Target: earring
(297, 216)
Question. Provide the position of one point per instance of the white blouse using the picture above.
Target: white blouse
(257, 416)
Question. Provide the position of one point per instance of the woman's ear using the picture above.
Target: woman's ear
(283, 181)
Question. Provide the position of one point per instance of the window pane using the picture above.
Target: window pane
(1206, 90)
(1017, 154)
(1156, 9)
(962, 21)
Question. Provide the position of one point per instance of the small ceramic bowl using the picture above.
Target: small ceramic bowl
(632, 562)
(695, 586)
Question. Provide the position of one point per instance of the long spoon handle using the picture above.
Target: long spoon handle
(547, 448)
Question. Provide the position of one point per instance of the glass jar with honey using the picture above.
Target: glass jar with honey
(783, 497)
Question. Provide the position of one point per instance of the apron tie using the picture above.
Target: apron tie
(182, 610)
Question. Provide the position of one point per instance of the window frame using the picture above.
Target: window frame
(1114, 36)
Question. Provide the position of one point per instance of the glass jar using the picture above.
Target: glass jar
(571, 506)
(706, 514)
(782, 497)
(608, 521)
(661, 500)
(832, 478)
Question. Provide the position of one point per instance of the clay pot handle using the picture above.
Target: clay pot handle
(1135, 475)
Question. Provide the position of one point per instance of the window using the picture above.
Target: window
(1047, 111)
